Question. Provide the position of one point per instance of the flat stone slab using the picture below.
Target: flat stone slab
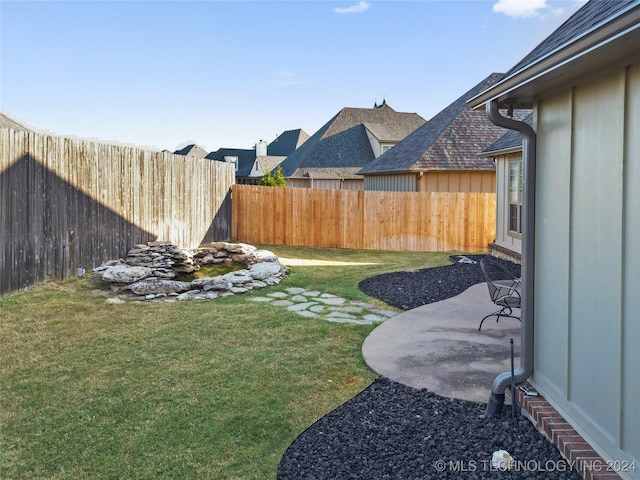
(386, 313)
(295, 290)
(347, 309)
(282, 303)
(331, 300)
(301, 306)
(277, 295)
(374, 318)
(326, 306)
(341, 315)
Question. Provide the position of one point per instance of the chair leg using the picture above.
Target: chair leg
(503, 312)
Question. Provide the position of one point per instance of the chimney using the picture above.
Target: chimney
(261, 149)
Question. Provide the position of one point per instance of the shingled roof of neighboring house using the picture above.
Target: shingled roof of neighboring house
(277, 151)
(451, 140)
(270, 162)
(246, 157)
(8, 122)
(287, 142)
(509, 142)
(590, 16)
(341, 147)
(192, 150)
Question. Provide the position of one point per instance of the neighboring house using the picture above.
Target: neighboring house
(581, 238)
(192, 150)
(8, 122)
(333, 157)
(253, 164)
(442, 154)
(507, 154)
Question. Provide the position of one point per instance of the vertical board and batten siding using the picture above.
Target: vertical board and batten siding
(587, 260)
(67, 203)
(404, 182)
(363, 220)
(326, 183)
(469, 181)
(433, 181)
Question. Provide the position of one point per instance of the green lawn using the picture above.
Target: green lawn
(199, 389)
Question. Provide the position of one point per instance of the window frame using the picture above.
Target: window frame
(514, 199)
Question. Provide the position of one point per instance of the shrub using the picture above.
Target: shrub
(275, 180)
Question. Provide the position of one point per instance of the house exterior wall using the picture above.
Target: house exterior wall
(458, 182)
(433, 182)
(327, 183)
(587, 321)
(504, 237)
(407, 182)
(376, 148)
(298, 182)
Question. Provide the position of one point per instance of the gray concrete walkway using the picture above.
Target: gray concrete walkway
(438, 346)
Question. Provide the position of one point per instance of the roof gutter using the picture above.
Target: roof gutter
(503, 381)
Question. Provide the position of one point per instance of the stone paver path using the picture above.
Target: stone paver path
(315, 304)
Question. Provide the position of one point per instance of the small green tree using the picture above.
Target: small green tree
(275, 180)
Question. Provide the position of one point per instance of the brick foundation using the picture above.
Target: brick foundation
(569, 442)
(504, 253)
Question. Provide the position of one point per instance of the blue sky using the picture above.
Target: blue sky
(230, 73)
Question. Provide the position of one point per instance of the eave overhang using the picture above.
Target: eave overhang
(608, 46)
(428, 170)
(503, 151)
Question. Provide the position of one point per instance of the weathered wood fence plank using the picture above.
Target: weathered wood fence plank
(67, 203)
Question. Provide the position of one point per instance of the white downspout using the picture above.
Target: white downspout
(503, 381)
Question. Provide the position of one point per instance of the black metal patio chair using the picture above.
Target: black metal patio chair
(503, 289)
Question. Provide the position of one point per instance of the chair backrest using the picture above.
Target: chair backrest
(493, 272)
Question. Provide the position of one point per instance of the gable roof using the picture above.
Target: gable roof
(600, 33)
(192, 150)
(508, 143)
(341, 147)
(451, 140)
(270, 162)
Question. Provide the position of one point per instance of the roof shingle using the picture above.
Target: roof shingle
(192, 150)
(593, 14)
(341, 146)
(451, 140)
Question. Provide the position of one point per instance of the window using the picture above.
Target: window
(515, 196)
(384, 148)
(232, 159)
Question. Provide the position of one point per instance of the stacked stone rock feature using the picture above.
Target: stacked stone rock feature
(148, 271)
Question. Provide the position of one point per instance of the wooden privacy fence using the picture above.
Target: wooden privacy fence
(68, 203)
(428, 221)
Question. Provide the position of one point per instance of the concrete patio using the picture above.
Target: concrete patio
(438, 346)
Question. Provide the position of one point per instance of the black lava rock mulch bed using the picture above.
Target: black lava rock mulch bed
(391, 431)
(411, 289)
